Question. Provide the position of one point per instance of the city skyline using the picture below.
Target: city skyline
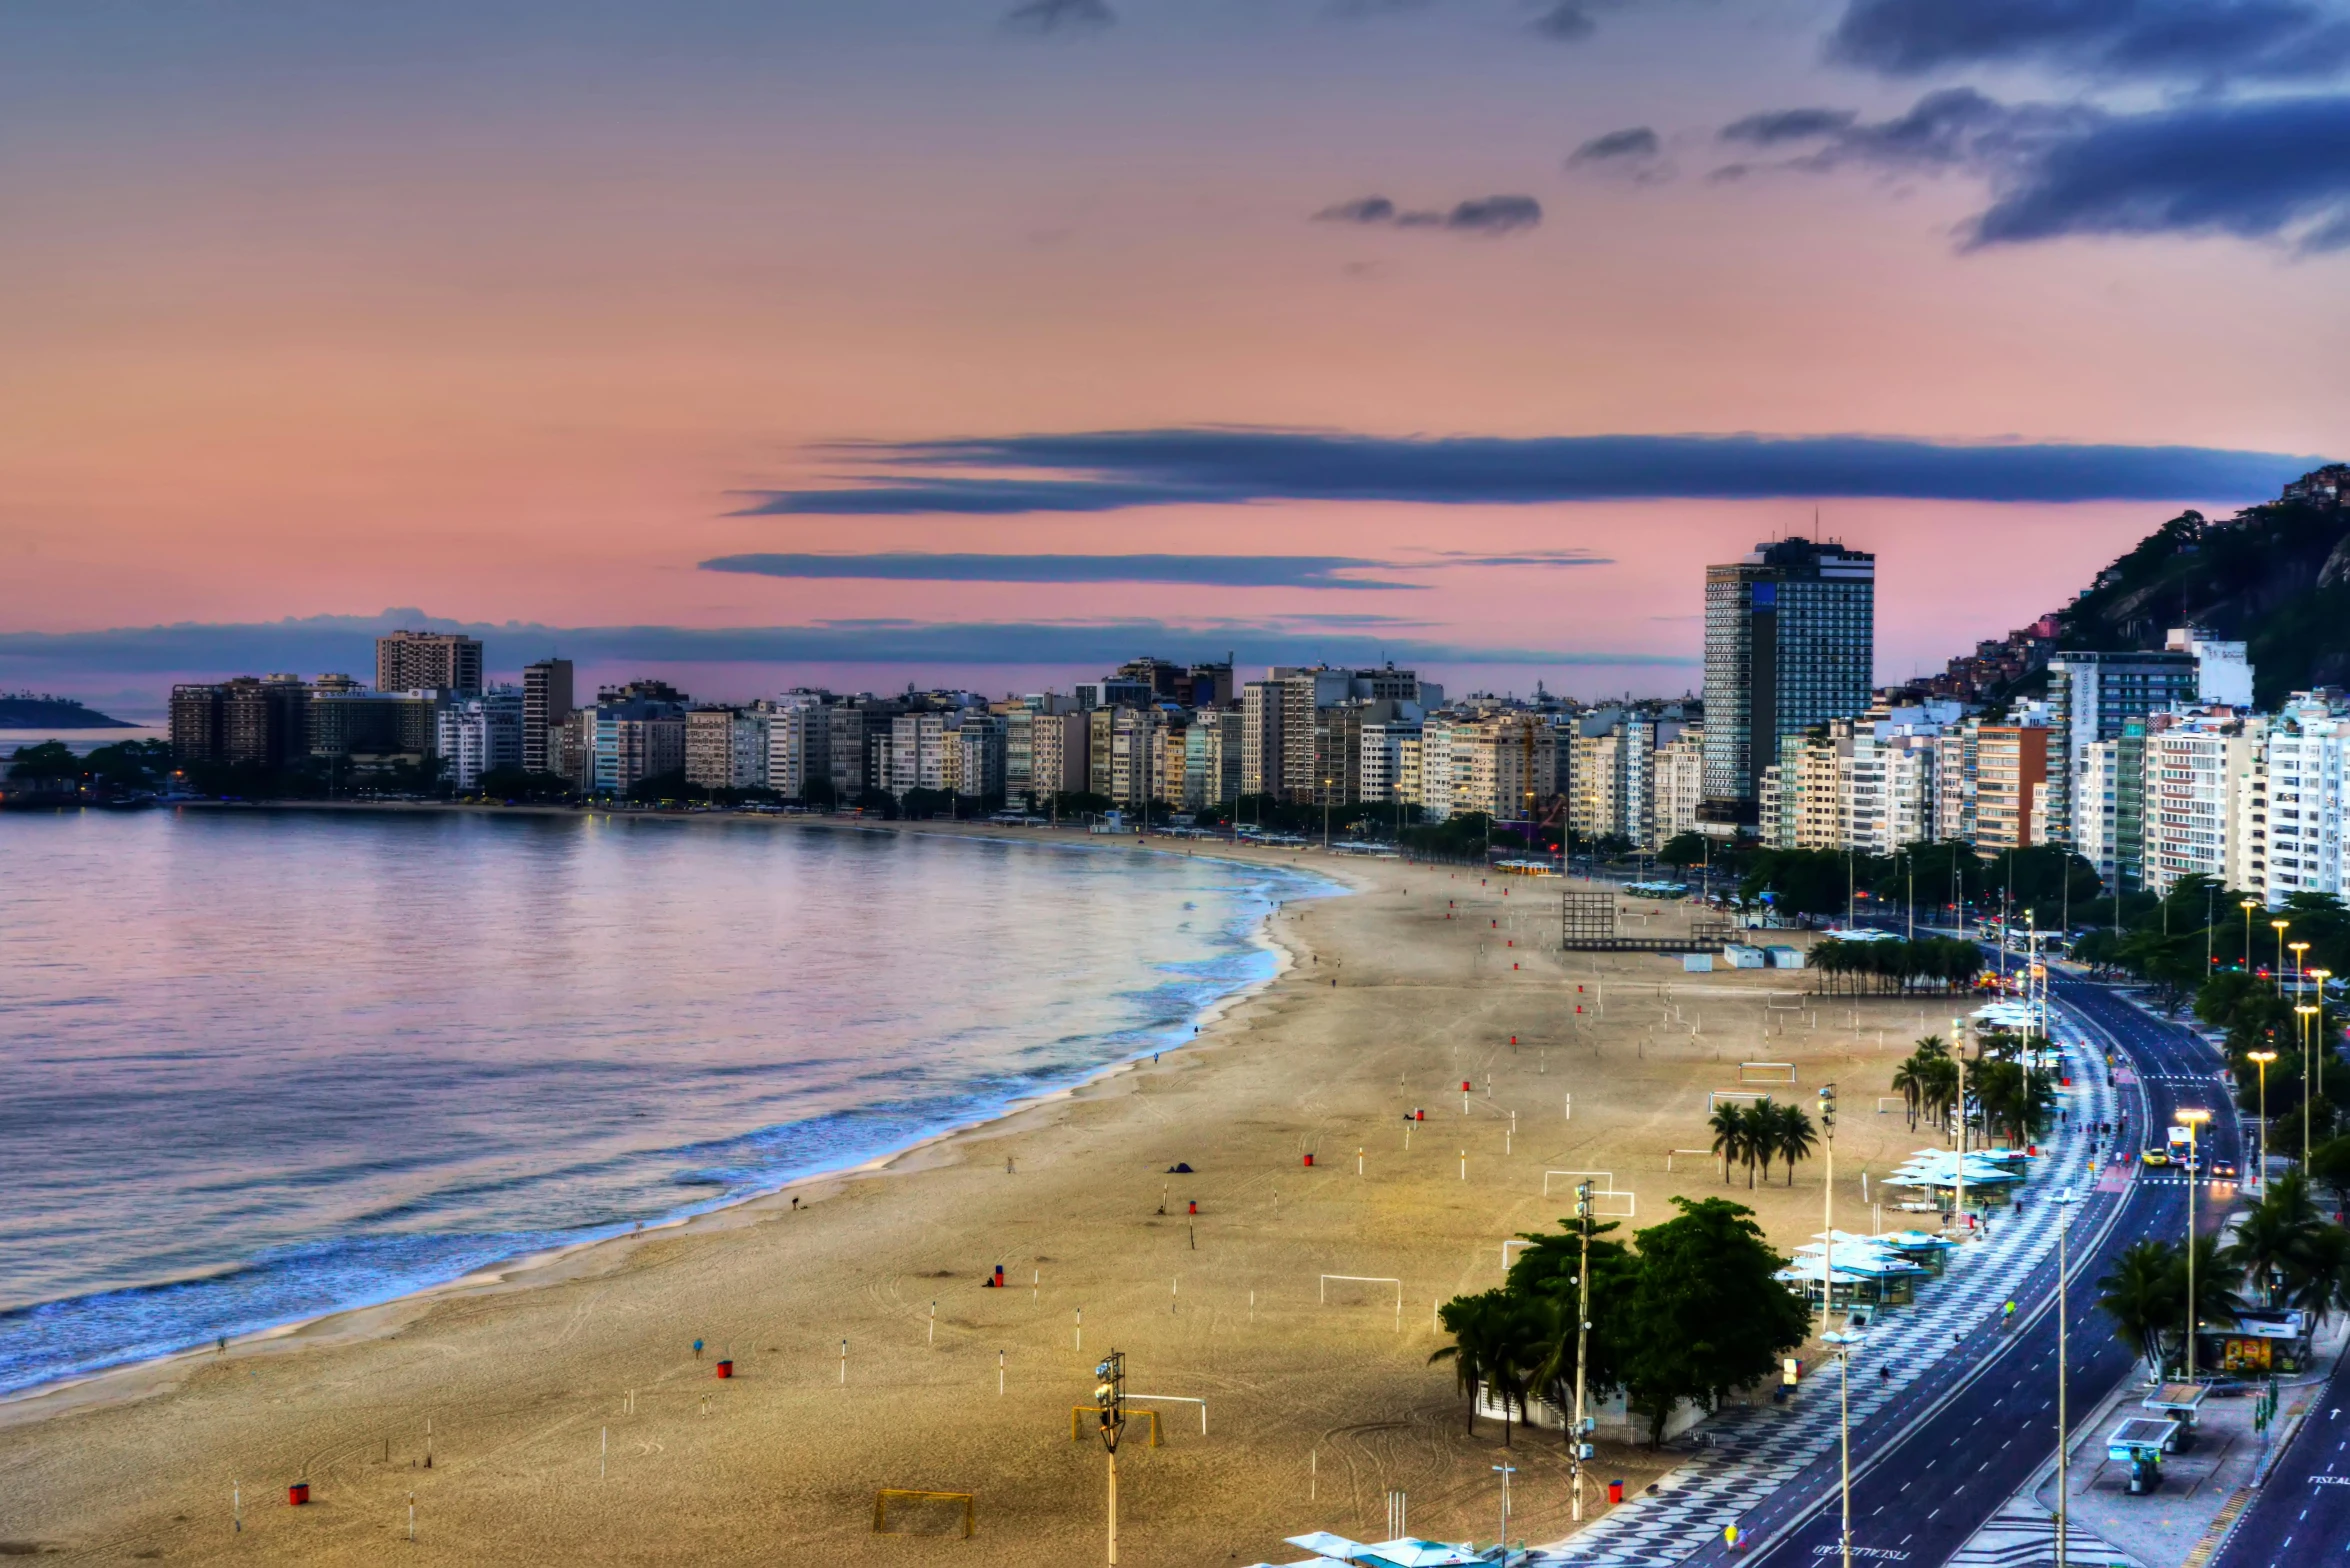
(540, 323)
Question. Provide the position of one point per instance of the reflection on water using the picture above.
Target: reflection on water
(257, 1065)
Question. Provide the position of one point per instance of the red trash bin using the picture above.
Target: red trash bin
(726, 1369)
(297, 1494)
(1615, 1491)
(1309, 1159)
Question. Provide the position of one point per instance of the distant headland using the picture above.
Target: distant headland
(24, 710)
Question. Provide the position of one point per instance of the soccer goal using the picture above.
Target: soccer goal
(899, 1511)
(1703, 1154)
(1767, 1072)
(1715, 1097)
(1365, 1279)
(1607, 1179)
(1599, 1200)
(1899, 1103)
(1078, 1413)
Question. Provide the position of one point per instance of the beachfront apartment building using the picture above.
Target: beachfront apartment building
(2304, 782)
(428, 661)
(799, 744)
(2198, 812)
(979, 755)
(1679, 772)
(1790, 633)
(727, 747)
(546, 703)
(1057, 751)
(1381, 769)
(633, 736)
(476, 736)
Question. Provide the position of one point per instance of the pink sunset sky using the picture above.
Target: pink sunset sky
(524, 312)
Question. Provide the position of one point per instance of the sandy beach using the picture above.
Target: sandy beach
(572, 1421)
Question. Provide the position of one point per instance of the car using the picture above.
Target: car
(2157, 1155)
(2223, 1170)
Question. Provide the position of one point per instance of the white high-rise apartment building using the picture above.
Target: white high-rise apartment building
(799, 744)
(2307, 757)
(480, 734)
(2197, 767)
(1680, 783)
(1382, 767)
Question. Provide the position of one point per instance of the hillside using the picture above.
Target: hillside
(25, 711)
(2276, 576)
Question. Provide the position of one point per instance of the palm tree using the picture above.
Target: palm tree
(1498, 1341)
(1728, 1126)
(1940, 1093)
(2217, 1281)
(1756, 1119)
(1792, 1136)
(2137, 1295)
(2277, 1244)
(1910, 1084)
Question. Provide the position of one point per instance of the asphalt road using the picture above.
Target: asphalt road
(1922, 1488)
(2302, 1513)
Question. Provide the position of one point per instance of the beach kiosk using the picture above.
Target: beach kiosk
(2140, 1442)
(2180, 1402)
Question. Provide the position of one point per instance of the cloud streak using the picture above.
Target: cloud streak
(345, 642)
(1218, 571)
(1116, 470)
(2207, 40)
(1221, 571)
(1040, 17)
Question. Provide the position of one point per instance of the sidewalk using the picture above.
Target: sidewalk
(2201, 1494)
(1754, 1450)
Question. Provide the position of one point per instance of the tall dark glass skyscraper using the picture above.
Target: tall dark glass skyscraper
(1790, 640)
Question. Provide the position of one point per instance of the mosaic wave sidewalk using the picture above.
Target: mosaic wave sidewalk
(1754, 1450)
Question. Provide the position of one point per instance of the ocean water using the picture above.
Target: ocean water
(258, 1066)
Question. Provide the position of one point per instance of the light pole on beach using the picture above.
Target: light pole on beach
(1582, 1336)
(1109, 1399)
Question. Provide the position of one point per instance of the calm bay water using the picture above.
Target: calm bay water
(255, 1066)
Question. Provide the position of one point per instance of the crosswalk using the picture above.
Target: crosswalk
(1753, 1450)
(2023, 1535)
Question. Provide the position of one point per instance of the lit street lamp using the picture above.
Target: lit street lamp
(2279, 927)
(2248, 906)
(2064, 1202)
(2261, 1059)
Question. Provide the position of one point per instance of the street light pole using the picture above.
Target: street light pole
(2064, 1200)
(1582, 1335)
(2261, 1059)
(2317, 1027)
(1506, 1471)
(2248, 905)
(2192, 1120)
(2311, 1072)
(2278, 926)
(1109, 1398)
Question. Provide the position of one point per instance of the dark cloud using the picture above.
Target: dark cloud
(1635, 142)
(1223, 571)
(1059, 16)
(2196, 39)
(1495, 215)
(2270, 169)
(2274, 169)
(1114, 470)
(1568, 21)
(1775, 126)
(210, 650)
(1484, 215)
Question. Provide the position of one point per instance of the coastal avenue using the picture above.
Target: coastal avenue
(1919, 1496)
(2303, 1509)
